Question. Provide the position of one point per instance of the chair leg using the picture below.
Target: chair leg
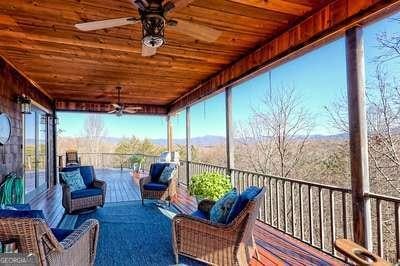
(257, 254)
(142, 202)
(176, 258)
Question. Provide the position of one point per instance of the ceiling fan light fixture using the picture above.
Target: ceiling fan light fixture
(153, 30)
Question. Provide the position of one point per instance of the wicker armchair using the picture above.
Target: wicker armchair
(217, 244)
(93, 196)
(34, 236)
(71, 158)
(168, 192)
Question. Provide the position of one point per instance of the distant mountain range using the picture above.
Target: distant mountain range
(212, 140)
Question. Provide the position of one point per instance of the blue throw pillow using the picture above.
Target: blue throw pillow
(249, 194)
(21, 214)
(73, 179)
(167, 174)
(220, 211)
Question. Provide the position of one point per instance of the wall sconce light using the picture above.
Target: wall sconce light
(55, 120)
(25, 103)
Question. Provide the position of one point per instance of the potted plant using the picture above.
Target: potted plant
(136, 162)
(209, 185)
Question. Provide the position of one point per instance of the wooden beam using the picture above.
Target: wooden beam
(188, 145)
(278, 6)
(358, 137)
(327, 23)
(169, 133)
(102, 107)
(230, 154)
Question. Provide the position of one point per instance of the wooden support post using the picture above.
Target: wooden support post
(358, 137)
(230, 159)
(188, 145)
(54, 143)
(169, 133)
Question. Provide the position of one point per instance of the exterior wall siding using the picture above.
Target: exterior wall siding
(13, 84)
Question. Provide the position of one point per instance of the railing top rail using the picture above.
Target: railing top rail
(111, 153)
(205, 164)
(382, 197)
(301, 182)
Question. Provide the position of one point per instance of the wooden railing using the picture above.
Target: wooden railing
(385, 213)
(110, 160)
(314, 213)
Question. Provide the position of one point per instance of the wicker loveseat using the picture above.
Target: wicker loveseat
(93, 196)
(33, 235)
(150, 188)
(217, 244)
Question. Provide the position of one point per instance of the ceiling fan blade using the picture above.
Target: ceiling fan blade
(104, 24)
(130, 111)
(196, 31)
(135, 109)
(115, 105)
(148, 51)
(111, 112)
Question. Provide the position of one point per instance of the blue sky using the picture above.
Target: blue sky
(319, 78)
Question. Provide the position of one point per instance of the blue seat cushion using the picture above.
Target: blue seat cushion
(22, 207)
(221, 209)
(156, 170)
(61, 234)
(155, 186)
(84, 193)
(200, 214)
(4, 213)
(87, 173)
(249, 194)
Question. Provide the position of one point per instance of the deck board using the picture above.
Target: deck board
(275, 247)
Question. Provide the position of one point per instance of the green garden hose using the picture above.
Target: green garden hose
(12, 190)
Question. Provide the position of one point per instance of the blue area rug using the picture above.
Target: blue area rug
(132, 234)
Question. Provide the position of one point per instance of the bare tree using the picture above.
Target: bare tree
(277, 134)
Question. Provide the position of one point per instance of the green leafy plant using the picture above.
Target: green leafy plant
(137, 160)
(209, 185)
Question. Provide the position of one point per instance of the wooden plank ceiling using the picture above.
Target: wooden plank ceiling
(39, 38)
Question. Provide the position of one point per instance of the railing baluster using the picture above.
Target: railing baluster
(321, 219)
(333, 221)
(265, 201)
(292, 200)
(277, 205)
(379, 226)
(310, 213)
(284, 207)
(344, 213)
(397, 226)
(271, 215)
(301, 212)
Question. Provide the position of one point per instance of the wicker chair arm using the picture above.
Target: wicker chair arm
(66, 189)
(144, 181)
(100, 184)
(81, 244)
(191, 222)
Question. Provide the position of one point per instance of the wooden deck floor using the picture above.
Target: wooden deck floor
(275, 247)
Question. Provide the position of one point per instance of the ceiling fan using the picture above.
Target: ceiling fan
(120, 109)
(153, 16)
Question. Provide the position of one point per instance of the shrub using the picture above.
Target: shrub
(209, 185)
